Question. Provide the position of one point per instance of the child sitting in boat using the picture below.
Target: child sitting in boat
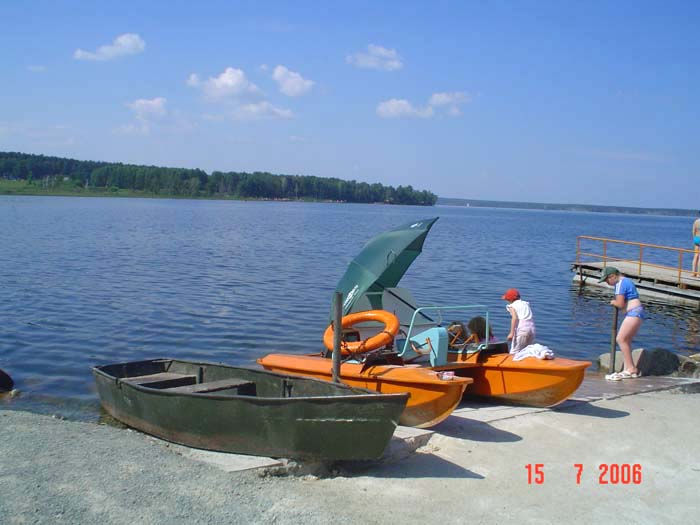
(522, 324)
(477, 332)
(477, 329)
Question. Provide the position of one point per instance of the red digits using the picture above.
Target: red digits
(539, 473)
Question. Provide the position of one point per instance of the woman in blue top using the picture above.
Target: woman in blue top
(626, 296)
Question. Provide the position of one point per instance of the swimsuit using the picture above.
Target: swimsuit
(637, 311)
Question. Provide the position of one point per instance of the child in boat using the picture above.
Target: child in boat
(477, 329)
(522, 323)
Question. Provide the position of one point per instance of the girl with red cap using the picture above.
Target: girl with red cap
(522, 323)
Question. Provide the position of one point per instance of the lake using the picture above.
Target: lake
(89, 281)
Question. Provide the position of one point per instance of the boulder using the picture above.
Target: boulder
(690, 366)
(6, 382)
(656, 362)
(604, 362)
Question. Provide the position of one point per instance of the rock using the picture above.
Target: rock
(604, 362)
(689, 367)
(6, 382)
(656, 362)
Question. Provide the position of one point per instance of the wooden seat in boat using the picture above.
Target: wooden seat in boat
(213, 386)
(162, 380)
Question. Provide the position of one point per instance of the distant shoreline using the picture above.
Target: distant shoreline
(441, 201)
(476, 203)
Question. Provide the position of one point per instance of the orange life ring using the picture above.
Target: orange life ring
(383, 338)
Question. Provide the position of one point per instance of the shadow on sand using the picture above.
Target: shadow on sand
(421, 465)
(585, 408)
(463, 428)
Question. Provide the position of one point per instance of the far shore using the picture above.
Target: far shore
(72, 191)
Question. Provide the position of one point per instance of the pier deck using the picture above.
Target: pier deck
(659, 272)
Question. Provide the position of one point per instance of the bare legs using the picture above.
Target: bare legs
(696, 259)
(628, 329)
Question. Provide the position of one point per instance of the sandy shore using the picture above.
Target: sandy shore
(56, 471)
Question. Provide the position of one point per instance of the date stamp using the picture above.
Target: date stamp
(608, 473)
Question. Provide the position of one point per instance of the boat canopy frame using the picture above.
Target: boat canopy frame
(439, 309)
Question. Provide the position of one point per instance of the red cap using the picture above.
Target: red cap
(511, 295)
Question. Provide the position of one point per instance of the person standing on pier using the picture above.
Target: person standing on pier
(627, 297)
(696, 242)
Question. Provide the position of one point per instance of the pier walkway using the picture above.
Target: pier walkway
(659, 272)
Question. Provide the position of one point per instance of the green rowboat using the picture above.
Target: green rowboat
(248, 411)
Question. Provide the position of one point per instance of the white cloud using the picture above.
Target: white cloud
(444, 99)
(291, 83)
(193, 80)
(376, 57)
(231, 83)
(123, 45)
(260, 110)
(146, 111)
(398, 108)
(37, 68)
(451, 100)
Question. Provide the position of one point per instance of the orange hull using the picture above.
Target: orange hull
(432, 399)
(532, 382)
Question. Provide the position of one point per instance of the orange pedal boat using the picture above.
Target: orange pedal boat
(531, 382)
(434, 395)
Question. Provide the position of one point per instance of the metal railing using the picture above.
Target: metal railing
(660, 257)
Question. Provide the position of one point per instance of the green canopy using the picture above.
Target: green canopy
(382, 262)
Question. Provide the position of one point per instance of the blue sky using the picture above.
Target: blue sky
(563, 102)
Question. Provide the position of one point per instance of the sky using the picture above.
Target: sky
(585, 102)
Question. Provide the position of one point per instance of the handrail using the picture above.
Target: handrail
(608, 243)
(418, 311)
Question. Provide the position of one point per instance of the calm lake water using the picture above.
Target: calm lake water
(88, 281)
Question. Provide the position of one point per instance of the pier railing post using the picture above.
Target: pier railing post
(613, 337)
(337, 333)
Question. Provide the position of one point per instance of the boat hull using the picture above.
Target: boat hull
(531, 382)
(264, 414)
(431, 399)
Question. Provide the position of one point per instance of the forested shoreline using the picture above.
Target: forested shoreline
(28, 173)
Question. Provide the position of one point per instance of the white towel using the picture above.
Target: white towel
(534, 350)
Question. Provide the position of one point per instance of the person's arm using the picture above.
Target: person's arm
(619, 301)
(513, 323)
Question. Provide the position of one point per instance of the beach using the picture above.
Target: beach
(58, 471)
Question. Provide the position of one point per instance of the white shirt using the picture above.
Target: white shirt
(522, 310)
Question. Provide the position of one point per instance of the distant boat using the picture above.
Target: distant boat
(248, 411)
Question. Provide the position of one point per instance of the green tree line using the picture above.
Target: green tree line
(197, 183)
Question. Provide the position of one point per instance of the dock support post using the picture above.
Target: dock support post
(337, 333)
(613, 337)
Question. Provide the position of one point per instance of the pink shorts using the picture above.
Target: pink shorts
(524, 335)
